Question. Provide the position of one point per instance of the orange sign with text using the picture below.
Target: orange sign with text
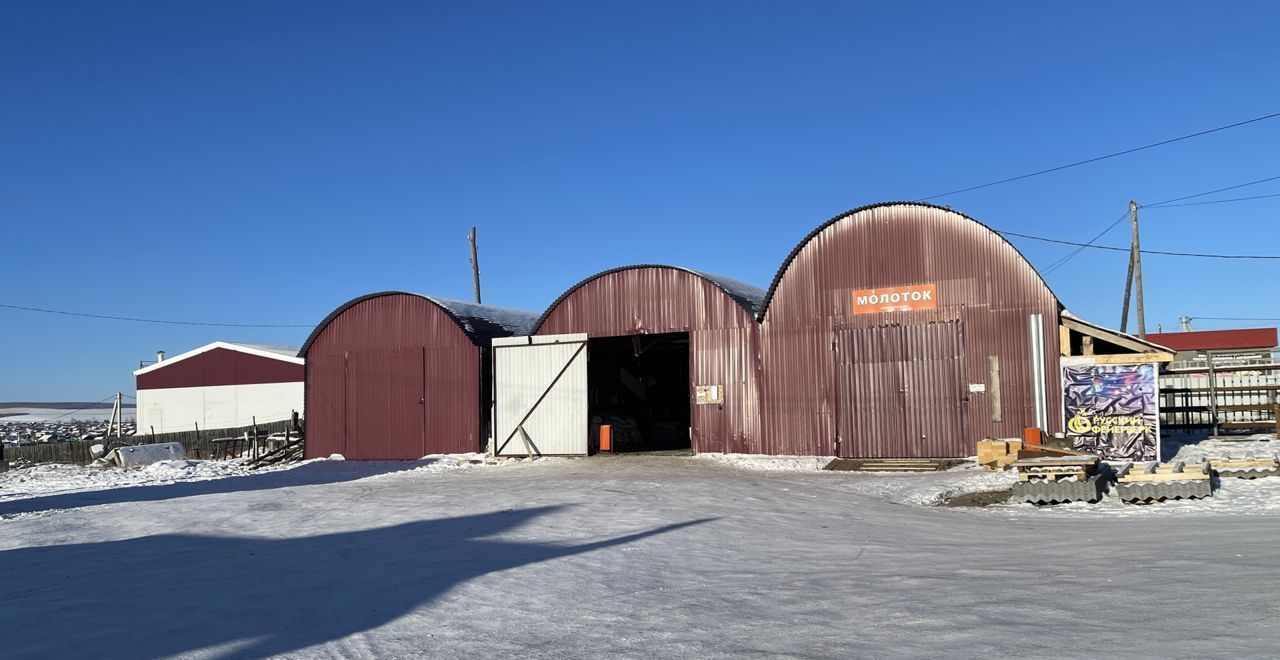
(911, 298)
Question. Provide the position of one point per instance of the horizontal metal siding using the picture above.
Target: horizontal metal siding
(722, 340)
(982, 281)
(380, 342)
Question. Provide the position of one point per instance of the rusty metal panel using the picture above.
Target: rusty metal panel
(717, 312)
(797, 390)
(395, 377)
(935, 391)
(978, 278)
(725, 358)
(870, 407)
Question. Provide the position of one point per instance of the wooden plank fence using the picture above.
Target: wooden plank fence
(196, 444)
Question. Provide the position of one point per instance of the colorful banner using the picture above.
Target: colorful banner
(1112, 409)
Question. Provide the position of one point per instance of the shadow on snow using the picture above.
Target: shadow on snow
(310, 474)
(169, 594)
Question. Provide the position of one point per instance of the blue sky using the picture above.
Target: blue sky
(262, 162)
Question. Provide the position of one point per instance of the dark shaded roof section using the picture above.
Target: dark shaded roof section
(479, 322)
(786, 263)
(749, 297)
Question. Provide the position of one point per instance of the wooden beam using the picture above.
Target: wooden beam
(1106, 335)
(1064, 340)
(1132, 358)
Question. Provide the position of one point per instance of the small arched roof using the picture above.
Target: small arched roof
(479, 322)
(750, 298)
(786, 263)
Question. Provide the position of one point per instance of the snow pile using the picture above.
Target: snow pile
(953, 483)
(1261, 445)
(60, 415)
(769, 463)
(56, 478)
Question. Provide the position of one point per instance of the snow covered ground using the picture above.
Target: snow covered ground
(635, 556)
(46, 414)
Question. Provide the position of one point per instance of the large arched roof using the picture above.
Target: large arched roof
(747, 296)
(777, 278)
(479, 322)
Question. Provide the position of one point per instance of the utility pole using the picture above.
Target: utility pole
(119, 415)
(1137, 270)
(1128, 287)
(1184, 323)
(475, 264)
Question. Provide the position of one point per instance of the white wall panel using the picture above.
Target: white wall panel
(223, 406)
(524, 370)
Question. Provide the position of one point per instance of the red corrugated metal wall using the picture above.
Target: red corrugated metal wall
(220, 366)
(392, 377)
(985, 291)
(722, 340)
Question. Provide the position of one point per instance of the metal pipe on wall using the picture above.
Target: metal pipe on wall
(1036, 323)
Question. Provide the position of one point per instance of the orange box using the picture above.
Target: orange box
(606, 438)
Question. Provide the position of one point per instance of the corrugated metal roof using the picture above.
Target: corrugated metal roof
(1216, 340)
(479, 322)
(749, 297)
(786, 263)
(290, 351)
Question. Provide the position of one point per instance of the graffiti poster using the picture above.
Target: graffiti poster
(1112, 409)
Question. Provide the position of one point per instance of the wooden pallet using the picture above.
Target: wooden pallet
(1000, 454)
(1154, 471)
(1056, 468)
(1244, 463)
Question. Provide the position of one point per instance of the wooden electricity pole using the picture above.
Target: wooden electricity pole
(1134, 277)
(1137, 270)
(475, 264)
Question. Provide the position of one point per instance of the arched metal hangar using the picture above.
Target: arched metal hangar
(664, 355)
(397, 375)
(905, 329)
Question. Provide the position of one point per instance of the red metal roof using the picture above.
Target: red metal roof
(1216, 340)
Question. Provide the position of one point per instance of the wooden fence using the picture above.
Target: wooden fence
(197, 444)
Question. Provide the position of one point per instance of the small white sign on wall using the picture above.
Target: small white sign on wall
(977, 387)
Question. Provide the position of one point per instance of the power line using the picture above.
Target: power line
(1202, 255)
(1213, 201)
(1095, 159)
(1171, 202)
(1069, 256)
(1210, 192)
(90, 407)
(138, 320)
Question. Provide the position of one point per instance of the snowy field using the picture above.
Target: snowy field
(46, 414)
(638, 556)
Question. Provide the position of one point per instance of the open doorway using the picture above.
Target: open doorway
(639, 386)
